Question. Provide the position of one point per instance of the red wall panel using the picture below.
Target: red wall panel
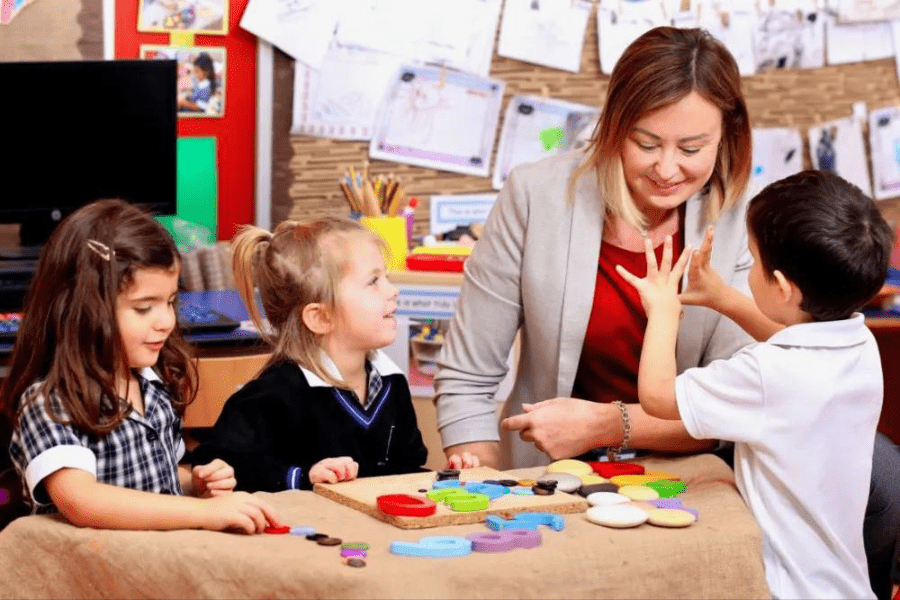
(235, 132)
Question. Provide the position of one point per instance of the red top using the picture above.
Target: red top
(608, 366)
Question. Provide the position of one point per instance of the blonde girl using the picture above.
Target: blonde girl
(329, 405)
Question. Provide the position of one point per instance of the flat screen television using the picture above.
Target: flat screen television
(76, 131)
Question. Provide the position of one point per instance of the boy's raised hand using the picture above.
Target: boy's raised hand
(659, 289)
(213, 479)
(333, 470)
(705, 287)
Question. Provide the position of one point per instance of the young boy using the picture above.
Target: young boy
(802, 407)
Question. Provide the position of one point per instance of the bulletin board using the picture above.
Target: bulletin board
(306, 169)
(235, 131)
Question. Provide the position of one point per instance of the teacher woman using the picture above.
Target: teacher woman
(671, 154)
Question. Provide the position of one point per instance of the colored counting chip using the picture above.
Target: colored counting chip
(447, 474)
(593, 480)
(565, 482)
(670, 517)
(621, 480)
(639, 492)
(661, 474)
(282, 529)
(435, 546)
(520, 491)
(587, 490)
(351, 553)
(611, 469)
(617, 516)
(355, 546)
(572, 466)
(666, 488)
(355, 562)
(303, 531)
(503, 541)
(329, 541)
(607, 499)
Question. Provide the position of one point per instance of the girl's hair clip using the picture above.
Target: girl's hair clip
(101, 249)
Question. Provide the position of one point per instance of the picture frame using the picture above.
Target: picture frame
(199, 95)
(188, 16)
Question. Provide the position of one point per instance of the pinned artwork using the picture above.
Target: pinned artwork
(201, 77)
(183, 16)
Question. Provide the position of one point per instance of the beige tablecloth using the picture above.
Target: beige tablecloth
(717, 557)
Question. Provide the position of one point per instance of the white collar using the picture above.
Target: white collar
(149, 374)
(380, 362)
(824, 334)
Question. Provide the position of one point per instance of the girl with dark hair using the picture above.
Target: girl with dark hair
(99, 379)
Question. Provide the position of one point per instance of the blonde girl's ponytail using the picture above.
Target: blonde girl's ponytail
(249, 248)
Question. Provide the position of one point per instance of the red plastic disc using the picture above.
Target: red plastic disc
(405, 505)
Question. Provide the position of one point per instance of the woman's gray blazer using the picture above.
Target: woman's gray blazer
(534, 270)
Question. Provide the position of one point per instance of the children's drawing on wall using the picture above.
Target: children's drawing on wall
(884, 140)
(201, 77)
(789, 39)
(195, 16)
(838, 146)
(777, 153)
(437, 118)
(426, 336)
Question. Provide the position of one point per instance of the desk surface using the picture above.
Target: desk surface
(717, 557)
(227, 302)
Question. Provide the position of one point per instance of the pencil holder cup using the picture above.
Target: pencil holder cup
(393, 231)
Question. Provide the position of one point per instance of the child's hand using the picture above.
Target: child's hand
(465, 461)
(238, 511)
(332, 470)
(659, 289)
(705, 287)
(213, 479)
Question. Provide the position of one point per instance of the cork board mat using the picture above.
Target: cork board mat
(306, 169)
(361, 494)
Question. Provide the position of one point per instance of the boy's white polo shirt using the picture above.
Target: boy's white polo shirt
(802, 409)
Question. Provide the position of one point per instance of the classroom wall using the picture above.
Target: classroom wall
(235, 132)
(306, 169)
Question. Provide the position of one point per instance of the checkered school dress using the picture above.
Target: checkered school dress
(142, 453)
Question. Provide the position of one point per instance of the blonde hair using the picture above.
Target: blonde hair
(298, 264)
(657, 70)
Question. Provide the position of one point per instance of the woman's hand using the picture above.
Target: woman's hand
(213, 479)
(333, 470)
(705, 286)
(566, 427)
(465, 460)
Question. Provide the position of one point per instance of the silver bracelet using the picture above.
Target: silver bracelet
(613, 453)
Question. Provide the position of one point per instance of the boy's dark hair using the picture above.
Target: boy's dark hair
(826, 236)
